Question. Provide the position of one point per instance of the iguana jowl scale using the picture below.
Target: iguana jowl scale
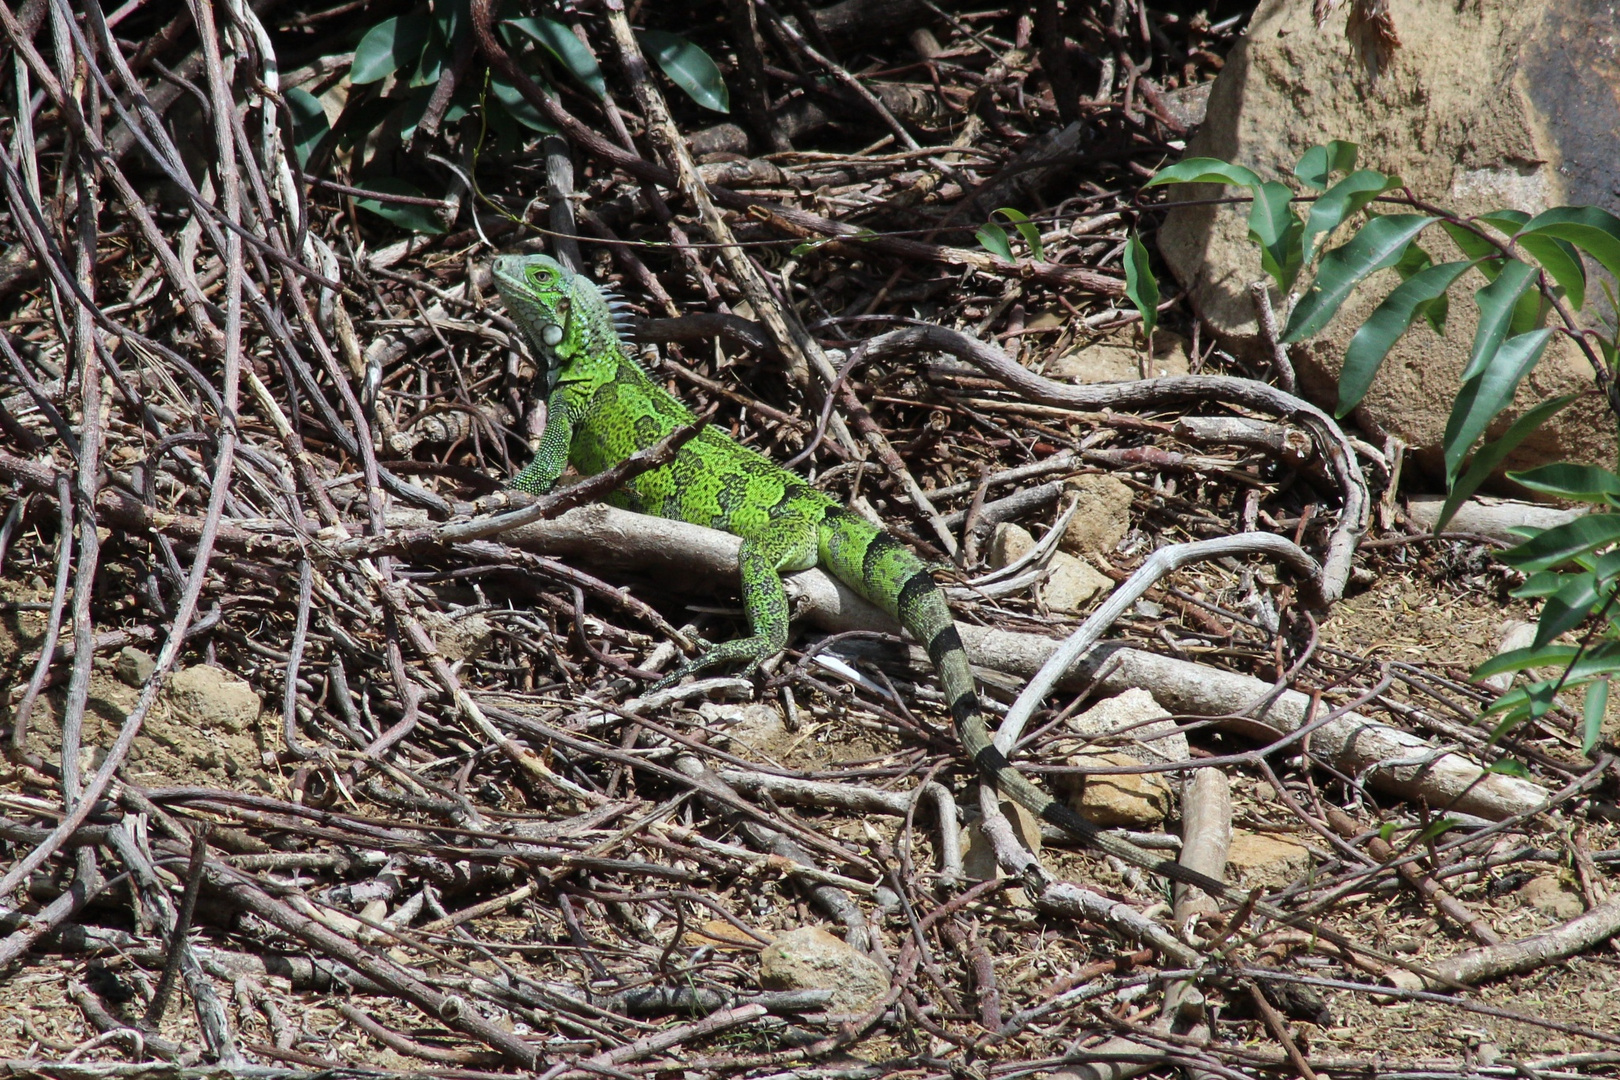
(602, 408)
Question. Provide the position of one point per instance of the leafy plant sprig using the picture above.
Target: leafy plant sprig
(1533, 266)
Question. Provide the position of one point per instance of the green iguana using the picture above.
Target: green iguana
(601, 408)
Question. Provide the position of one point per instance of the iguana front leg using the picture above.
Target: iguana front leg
(789, 546)
(551, 456)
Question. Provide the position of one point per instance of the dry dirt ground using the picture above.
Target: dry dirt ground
(1424, 613)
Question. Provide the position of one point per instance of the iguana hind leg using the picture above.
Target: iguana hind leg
(790, 547)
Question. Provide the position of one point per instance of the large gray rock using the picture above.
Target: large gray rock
(1485, 106)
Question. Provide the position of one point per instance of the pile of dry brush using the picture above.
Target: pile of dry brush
(250, 422)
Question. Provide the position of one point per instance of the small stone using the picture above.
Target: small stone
(1137, 714)
(1551, 894)
(214, 700)
(979, 858)
(719, 934)
(1104, 516)
(1264, 859)
(812, 959)
(755, 726)
(1072, 583)
(463, 637)
(1119, 359)
(1133, 800)
(134, 666)
(1008, 544)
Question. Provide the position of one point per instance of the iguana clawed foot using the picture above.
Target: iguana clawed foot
(749, 651)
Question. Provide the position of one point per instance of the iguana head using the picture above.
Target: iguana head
(563, 314)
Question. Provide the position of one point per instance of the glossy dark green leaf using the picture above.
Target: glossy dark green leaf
(1434, 312)
(1277, 229)
(993, 238)
(1591, 228)
(389, 46)
(1593, 710)
(1496, 302)
(1141, 288)
(1386, 324)
(309, 123)
(517, 106)
(1540, 583)
(430, 68)
(1413, 261)
(1488, 393)
(1562, 543)
(567, 49)
(1315, 170)
(1493, 453)
(1475, 246)
(1569, 480)
(1597, 661)
(1562, 263)
(688, 67)
(1506, 222)
(1567, 608)
(1205, 170)
(1524, 659)
(1343, 200)
(1380, 243)
(420, 219)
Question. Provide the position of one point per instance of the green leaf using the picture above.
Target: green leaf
(406, 215)
(1276, 228)
(1590, 228)
(1475, 246)
(1496, 302)
(993, 238)
(1205, 170)
(1343, 200)
(389, 46)
(1524, 659)
(1594, 709)
(309, 123)
(1413, 263)
(1437, 828)
(1140, 286)
(1540, 583)
(1380, 243)
(568, 50)
(1026, 229)
(1507, 222)
(1509, 767)
(1600, 660)
(517, 106)
(1562, 263)
(1568, 480)
(431, 66)
(688, 67)
(1567, 608)
(1386, 324)
(1488, 393)
(1494, 452)
(1315, 170)
(1559, 544)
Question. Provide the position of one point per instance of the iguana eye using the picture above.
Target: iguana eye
(542, 275)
